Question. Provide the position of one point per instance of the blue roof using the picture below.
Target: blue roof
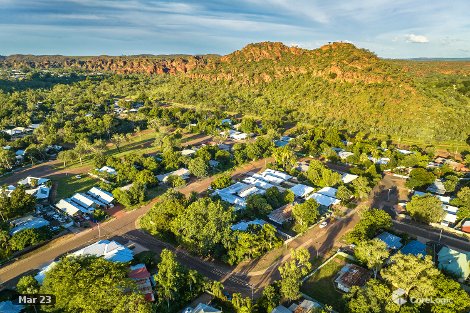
(392, 241)
(280, 143)
(414, 247)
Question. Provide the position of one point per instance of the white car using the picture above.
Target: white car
(323, 224)
(187, 310)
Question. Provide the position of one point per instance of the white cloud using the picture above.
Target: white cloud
(416, 38)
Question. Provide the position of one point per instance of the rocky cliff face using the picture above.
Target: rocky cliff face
(256, 63)
(119, 65)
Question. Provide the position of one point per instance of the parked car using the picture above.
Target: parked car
(323, 224)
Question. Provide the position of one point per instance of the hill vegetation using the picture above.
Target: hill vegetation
(337, 85)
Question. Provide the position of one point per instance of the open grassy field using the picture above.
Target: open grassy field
(320, 285)
(68, 185)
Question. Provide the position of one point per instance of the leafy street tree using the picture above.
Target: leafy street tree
(322, 176)
(343, 193)
(285, 157)
(222, 181)
(370, 223)
(198, 167)
(450, 183)
(175, 181)
(168, 276)
(67, 156)
(27, 285)
(117, 140)
(426, 209)
(292, 272)
(372, 253)
(361, 187)
(204, 225)
(82, 284)
(306, 214)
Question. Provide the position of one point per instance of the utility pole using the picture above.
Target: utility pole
(99, 231)
(440, 236)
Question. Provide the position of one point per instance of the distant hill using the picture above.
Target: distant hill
(336, 85)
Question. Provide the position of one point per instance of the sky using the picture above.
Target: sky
(390, 28)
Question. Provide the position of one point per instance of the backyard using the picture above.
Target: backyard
(320, 285)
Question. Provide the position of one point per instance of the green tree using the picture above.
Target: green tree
(372, 253)
(463, 202)
(168, 276)
(284, 157)
(203, 226)
(361, 187)
(426, 209)
(85, 283)
(420, 178)
(370, 223)
(450, 183)
(133, 302)
(412, 274)
(374, 297)
(222, 181)
(257, 205)
(292, 272)
(198, 167)
(306, 214)
(343, 193)
(27, 285)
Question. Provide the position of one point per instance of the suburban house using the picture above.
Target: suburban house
(351, 275)
(437, 187)
(141, 276)
(347, 178)
(450, 215)
(109, 170)
(188, 152)
(243, 226)
(301, 191)
(102, 196)
(281, 309)
(343, 155)
(282, 214)
(204, 308)
(393, 242)
(109, 250)
(27, 222)
(182, 172)
(70, 207)
(414, 247)
(325, 197)
(33, 181)
(454, 262)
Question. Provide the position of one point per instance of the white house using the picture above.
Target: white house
(109, 170)
(182, 172)
(301, 190)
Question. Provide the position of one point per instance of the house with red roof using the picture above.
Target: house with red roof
(141, 276)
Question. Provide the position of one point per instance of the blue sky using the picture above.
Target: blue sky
(392, 28)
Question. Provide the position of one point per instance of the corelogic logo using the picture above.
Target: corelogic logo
(399, 296)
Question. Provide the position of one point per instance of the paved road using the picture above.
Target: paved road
(432, 235)
(121, 226)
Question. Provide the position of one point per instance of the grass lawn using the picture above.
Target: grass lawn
(68, 185)
(320, 285)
